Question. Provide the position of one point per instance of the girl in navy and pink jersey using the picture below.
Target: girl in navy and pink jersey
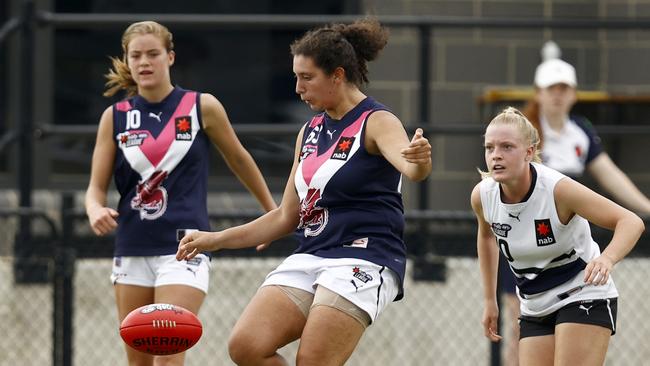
(343, 203)
(156, 144)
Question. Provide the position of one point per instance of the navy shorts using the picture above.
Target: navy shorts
(600, 312)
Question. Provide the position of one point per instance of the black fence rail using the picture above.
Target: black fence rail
(39, 257)
(31, 19)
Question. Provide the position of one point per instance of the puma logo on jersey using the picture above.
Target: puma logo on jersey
(330, 133)
(156, 116)
(514, 216)
(192, 270)
(356, 288)
(582, 307)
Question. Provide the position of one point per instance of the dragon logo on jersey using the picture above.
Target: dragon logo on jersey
(150, 197)
(313, 219)
(544, 232)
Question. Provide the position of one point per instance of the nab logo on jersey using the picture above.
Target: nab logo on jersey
(183, 128)
(544, 233)
(343, 147)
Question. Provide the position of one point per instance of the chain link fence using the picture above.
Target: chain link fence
(437, 323)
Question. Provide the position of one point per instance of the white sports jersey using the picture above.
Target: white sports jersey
(547, 257)
(570, 151)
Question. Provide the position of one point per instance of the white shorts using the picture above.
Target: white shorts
(365, 284)
(162, 270)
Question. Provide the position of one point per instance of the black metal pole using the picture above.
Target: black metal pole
(425, 117)
(26, 120)
(63, 291)
(495, 347)
(24, 265)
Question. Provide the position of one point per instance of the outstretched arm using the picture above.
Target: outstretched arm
(572, 198)
(488, 259)
(271, 226)
(101, 218)
(385, 135)
(618, 184)
(218, 128)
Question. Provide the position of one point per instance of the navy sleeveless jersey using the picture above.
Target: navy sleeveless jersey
(160, 171)
(350, 200)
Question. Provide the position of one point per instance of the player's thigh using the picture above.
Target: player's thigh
(330, 336)
(581, 344)
(270, 320)
(188, 297)
(182, 283)
(133, 283)
(537, 350)
(131, 297)
(583, 331)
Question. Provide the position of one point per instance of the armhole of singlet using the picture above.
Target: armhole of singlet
(199, 115)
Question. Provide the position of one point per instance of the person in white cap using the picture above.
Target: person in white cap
(569, 142)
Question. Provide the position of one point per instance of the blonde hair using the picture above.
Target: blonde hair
(513, 117)
(119, 77)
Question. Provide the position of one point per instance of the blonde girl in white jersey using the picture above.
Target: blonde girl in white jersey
(539, 219)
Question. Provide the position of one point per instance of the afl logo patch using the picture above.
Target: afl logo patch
(183, 128)
(343, 147)
(501, 229)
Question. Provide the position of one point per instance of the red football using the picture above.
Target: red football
(161, 329)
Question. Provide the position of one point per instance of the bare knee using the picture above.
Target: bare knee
(244, 350)
(304, 358)
(237, 349)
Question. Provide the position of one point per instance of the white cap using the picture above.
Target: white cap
(555, 71)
